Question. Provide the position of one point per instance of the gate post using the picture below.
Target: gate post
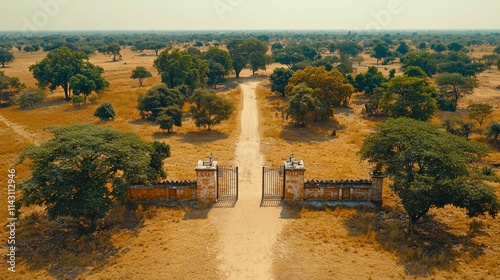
(294, 179)
(206, 182)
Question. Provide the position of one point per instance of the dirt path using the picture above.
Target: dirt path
(247, 232)
(19, 130)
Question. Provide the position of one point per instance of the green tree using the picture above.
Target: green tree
(493, 130)
(169, 117)
(479, 112)
(9, 86)
(279, 80)
(403, 48)
(209, 109)
(415, 71)
(415, 153)
(302, 106)
(490, 60)
(455, 86)
(439, 47)
(256, 51)
(180, 67)
(288, 57)
(425, 60)
(57, 68)
(113, 49)
(460, 62)
(105, 112)
(409, 97)
(84, 171)
(219, 65)
(497, 49)
(140, 73)
(349, 48)
(329, 88)
(238, 53)
(380, 50)
(5, 56)
(455, 47)
(369, 81)
(158, 98)
(31, 97)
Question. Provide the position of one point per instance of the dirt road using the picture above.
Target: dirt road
(247, 232)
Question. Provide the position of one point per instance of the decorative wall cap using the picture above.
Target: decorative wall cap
(167, 185)
(335, 184)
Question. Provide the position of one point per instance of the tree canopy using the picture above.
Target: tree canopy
(329, 88)
(414, 155)
(303, 106)
(454, 86)
(209, 109)
(105, 112)
(178, 68)
(85, 170)
(220, 64)
(279, 80)
(369, 81)
(140, 73)
(425, 60)
(5, 56)
(158, 98)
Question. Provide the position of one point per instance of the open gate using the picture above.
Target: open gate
(273, 183)
(227, 183)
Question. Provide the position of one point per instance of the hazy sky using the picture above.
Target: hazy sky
(247, 14)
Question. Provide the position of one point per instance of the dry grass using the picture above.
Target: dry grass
(137, 243)
(325, 156)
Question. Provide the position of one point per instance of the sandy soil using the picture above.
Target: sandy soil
(247, 232)
(19, 130)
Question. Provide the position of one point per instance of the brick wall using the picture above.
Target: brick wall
(343, 190)
(168, 190)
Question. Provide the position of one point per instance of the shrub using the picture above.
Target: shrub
(105, 112)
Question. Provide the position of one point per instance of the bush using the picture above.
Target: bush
(30, 98)
(105, 112)
(493, 130)
(77, 100)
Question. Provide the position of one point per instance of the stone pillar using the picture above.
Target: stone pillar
(377, 185)
(294, 179)
(206, 182)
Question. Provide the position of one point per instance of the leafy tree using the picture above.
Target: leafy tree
(9, 86)
(479, 112)
(169, 117)
(31, 97)
(289, 57)
(455, 86)
(113, 49)
(403, 48)
(415, 71)
(219, 65)
(493, 130)
(140, 73)
(57, 69)
(84, 171)
(279, 80)
(276, 46)
(329, 88)
(332, 47)
(238, 53)
(369, 81)
(418, 154)
(497, 50)
(209, 109)
(425, 60)
(77, 100)
(458, 127)
(460, 63)
(422, 46)
(380, 51)
(409, 97)
(455, 47)
(345, 65)
(349, 48)
(256, 51)
(157, 99)
(180, 67)
(439, 47)
(303, 106)
(105, 112)
(5, 56)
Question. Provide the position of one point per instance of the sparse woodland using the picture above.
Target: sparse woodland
(421, 107)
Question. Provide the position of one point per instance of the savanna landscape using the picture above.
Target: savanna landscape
(333, 99)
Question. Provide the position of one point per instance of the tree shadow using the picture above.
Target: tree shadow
(203, 136)
(160, 135)
(431, 247)
(65, 249)
(315, 132)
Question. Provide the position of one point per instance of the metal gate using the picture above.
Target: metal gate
(273, 183)
(227, 183)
